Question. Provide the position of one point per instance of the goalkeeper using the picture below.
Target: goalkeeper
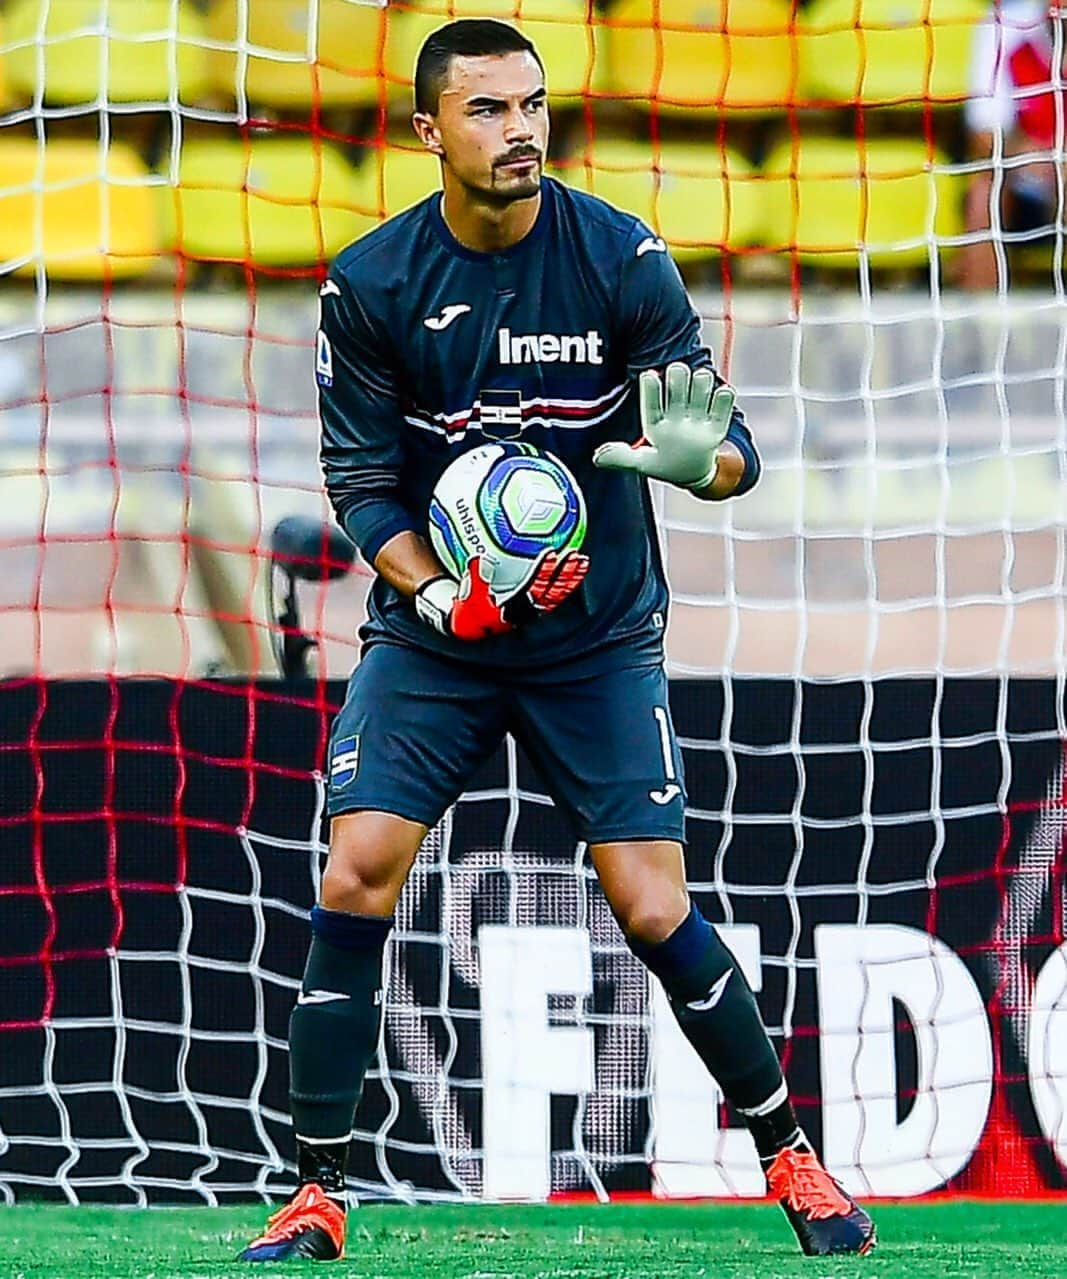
(509, 306)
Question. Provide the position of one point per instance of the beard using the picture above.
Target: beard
(517, 186)
(503, 186)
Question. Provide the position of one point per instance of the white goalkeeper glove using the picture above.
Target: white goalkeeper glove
(683, 435)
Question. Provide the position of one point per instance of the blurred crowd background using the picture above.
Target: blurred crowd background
(866, 198)
(759, 136)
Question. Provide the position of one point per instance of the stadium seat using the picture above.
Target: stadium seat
(292, 65)
(140, 55)
(392, 178)
(830, 197)
(703, 54)
(888, 51)
(5, 95)
(274, 201)
(567, 43)
(700, 199)
(85, 213)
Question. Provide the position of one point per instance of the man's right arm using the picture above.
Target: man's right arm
(407, 563)
(359, 409)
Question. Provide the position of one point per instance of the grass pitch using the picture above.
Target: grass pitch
(940, 1240)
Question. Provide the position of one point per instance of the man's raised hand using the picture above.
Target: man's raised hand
(684, 420)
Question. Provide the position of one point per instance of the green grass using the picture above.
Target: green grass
(941, 1240)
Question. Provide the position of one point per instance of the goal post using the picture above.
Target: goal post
(866, 652)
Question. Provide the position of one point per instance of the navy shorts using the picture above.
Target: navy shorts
(416, 727)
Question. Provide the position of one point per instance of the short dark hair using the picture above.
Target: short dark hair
(464, 38)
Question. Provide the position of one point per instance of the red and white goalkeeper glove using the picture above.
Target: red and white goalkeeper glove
(469, 610)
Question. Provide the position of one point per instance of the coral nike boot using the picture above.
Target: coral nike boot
(825, 1218)
(310, 1225)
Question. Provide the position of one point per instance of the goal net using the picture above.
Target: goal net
(867, 651)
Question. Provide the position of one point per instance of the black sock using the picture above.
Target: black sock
(773, 1138)
(333, 1036)
(324, 1163)
(717, 1012)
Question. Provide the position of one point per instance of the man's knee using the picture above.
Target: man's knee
(370, 856)
(644, 882)
(689, 961)
(653, 920)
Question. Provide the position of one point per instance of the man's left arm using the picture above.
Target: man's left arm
(694, 436)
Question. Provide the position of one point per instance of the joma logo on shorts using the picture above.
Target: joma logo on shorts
(550, 348)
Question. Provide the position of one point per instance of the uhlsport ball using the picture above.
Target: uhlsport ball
(507, 503)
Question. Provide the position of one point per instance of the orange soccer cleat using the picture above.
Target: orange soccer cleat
(310, 1225)
(825, 1218)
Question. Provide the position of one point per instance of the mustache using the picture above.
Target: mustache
(520, 153)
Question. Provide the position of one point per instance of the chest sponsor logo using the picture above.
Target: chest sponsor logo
(550, 348)
(449, 313)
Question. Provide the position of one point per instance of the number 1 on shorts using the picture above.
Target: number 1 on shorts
(670, 785)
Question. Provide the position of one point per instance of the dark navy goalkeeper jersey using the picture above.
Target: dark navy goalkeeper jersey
(428, 348)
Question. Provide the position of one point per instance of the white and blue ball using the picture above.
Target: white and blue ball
(507, 503)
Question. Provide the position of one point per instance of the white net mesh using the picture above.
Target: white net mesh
(874, 740)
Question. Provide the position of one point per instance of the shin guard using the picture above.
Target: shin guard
(334, 1027)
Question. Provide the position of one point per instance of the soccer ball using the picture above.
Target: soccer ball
(507, 503)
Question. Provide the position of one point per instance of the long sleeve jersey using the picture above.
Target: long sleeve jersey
(428, 348)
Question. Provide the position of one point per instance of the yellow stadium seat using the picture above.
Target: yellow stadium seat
(142, 41)
(567, 43)
(274, 202)
(394, 177)
(716, 55)
(86, 213)
(699, 199)
(302, 52)
(888, 51)
(832, 197)
(5, 96)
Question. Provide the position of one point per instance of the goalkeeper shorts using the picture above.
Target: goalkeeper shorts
(415, 728)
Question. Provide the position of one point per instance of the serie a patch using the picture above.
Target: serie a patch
(344, 761)
(323, 360)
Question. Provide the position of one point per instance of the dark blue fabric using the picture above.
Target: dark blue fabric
(717, 1013)
(753, 465)
(335, 1023)
(269, 1252)
(421, 726)
(685, 954)
(350, 932)
(400, 384)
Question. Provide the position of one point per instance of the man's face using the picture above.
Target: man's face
(491, 126)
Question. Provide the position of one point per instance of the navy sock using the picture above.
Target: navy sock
(333, 1036)
(717, 1012)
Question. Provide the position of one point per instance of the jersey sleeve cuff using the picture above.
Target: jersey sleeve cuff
(370, 537)
(741, 439)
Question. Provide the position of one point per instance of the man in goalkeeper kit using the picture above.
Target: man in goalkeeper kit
(511, 307)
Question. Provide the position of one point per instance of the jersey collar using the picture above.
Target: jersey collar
(473, 255)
